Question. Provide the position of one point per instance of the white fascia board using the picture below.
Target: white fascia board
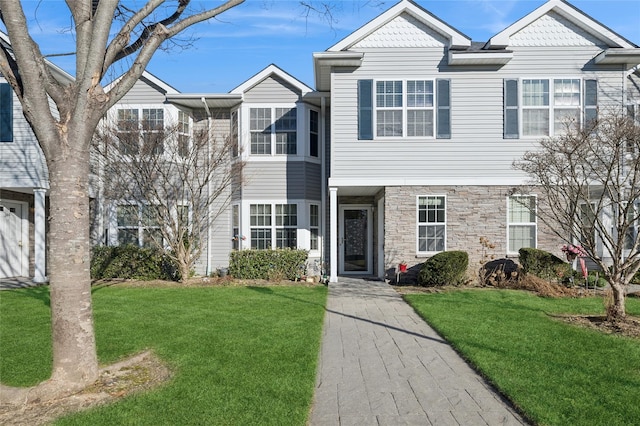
(630, 57)
(444, 181)
(456, 38)
(158, 82)
(576, 16)
(268, 71)
(479, 58)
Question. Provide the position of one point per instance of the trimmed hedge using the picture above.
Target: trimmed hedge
(445, 268)
(131, 262)
(544, 264)
(273, 265)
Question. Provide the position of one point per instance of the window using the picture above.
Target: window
(431, 224)
(235, 150)
(152, 131)
(6, 113)
(588, 224)
(314, 226)
(139, 225)
(286, 131)
(521, 222)
(260, 222)
(235, 226)
(314, 133)
(128, 131)
(547, 107)
(279, 135)
(633, 219)
(411, 108)
(183, 134)
(273, 226)
(260, 128)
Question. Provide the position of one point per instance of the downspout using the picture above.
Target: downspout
(323, 186)
(209, 232)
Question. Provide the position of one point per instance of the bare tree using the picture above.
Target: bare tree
(591, 179)
(108, 33)
(182, 180)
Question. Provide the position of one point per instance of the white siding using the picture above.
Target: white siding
(22, 163)
(476, 152)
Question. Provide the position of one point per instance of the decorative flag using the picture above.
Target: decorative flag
(583, 266)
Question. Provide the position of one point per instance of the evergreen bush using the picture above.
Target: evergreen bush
(445, 268)
(131, 262)
(273, 265)
(544, 264)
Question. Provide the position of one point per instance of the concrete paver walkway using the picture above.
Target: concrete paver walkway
(381, 364)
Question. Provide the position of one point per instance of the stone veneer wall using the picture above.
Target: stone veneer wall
(471, 212)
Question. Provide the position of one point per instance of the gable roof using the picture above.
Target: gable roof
(567, 11)
(455, 37)
(269, 71)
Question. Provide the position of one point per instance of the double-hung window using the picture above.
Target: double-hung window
(269, 135)
(128, 137)
(273, 226)
(547, 107)
(431, 224)
(183, 134)
(404, 108)
(138, 225)
(314, 133)
(286, 131)
(152, 130)
(521, 222)
(314, 226)
(286, 225)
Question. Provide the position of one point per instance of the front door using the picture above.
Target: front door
(355, 240)
(11, 244)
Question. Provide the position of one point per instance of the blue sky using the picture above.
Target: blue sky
(243, 41)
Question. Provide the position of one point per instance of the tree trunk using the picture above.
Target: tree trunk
(75, 362)
(617, 310)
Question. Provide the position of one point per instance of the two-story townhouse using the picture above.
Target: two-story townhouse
(275, 124)
(426, 123)
(24, 184)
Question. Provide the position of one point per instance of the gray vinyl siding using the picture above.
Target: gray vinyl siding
(22, 163)
(633, 88)
(477, 149)
(281, 180)
(270, 90)
(144, 92)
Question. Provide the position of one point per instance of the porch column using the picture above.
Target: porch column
(333, 234)
(39, 239)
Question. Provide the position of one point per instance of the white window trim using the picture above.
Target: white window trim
(418, 223)
(551, 107)
(534, 224)
(244, 133)
(405, 108)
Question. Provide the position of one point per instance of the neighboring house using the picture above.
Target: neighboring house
(24, 184)
(405, 147)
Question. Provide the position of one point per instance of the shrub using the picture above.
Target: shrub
(273, 265)
(499, 273)
(445, 268)
(596, 280)
(131, 262)
(544, 265)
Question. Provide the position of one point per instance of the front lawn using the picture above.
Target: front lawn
(240, 355)
(556, 373)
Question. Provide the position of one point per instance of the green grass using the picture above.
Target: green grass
(555, 373)
(239, 355)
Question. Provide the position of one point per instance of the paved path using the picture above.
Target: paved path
(381, 364)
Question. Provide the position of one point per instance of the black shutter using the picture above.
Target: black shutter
(365, 109)
(6, 113)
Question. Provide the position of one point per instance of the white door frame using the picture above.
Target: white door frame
(21, 269)
(369, 248)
